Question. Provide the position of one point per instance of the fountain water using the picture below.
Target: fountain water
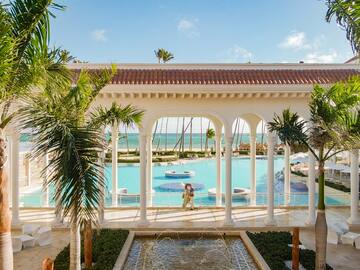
(188, 251)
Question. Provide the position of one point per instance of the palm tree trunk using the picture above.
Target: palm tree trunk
(321, 224)
(190, 142)
(88, 244)
(75, 246)
(201, 135)
(6, 252)
(127, 140)
(166, 131)
(183, 136)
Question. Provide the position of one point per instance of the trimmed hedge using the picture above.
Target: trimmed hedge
(107, 245)
(337, 186)
(273, 246)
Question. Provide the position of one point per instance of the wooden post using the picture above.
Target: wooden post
(47, 264)
(295, 249)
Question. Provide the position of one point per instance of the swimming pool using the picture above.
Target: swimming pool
(205, 175)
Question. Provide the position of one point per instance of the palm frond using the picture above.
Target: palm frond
(116, 114)
(74, 160)
(347, 13)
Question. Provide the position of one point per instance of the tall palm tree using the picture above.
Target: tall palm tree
(163, 55)
(210, 134)
(191, 134)
(64, 129)
(347, 13)
(25, 62)
(334, 127)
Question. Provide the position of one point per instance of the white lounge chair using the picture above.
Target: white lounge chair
(357, 243)
(43, 236)
(349, 238)
(26, 240)
(16, 244)
(30, 229)
(335, 232)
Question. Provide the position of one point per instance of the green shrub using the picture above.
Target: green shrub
(337, 186)
(107, 245)
(273, 246)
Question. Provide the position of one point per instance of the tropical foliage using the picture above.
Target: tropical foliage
(26, 63)
(163, 55)
(347, 16)
(73, 138)
(334, 126)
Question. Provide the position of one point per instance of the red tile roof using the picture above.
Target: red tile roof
(230, 76)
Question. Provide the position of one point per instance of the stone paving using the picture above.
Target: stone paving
(339, 256)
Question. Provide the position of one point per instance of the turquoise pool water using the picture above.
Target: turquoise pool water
(205, 174)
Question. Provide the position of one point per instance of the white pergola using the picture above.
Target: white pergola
(222, 93)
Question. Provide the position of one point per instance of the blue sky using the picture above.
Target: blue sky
(204, 31)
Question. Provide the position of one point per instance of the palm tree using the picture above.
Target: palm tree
(347, 15)
(25, 62)
(163, 55)
(334, 127)
(64, 129)
(191, 131)
(210, 134)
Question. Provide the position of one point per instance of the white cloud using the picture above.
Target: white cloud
(99, 35)
(316, 57)
(295, 41)
(188, 27)
(237, 54)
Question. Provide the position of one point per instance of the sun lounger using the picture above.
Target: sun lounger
(357, 243)
(30, 229)
(43, 236)
(26, 240)
(16, 244)
(335, 232)
(349, 238)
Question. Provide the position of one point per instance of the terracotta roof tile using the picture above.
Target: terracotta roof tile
(230, 77)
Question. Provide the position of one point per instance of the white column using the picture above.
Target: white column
(101, 213)
(270, 179)
(143, 218)
(149, 169)
(354, 214)
(218, 169)
(15, 143)
(311, 190)
(28, 170)
(58, 214)
(114, 159)
(46, 186)
(228, 189)
(287, 175)
(253, 167)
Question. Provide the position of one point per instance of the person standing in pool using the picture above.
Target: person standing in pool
(188, 196)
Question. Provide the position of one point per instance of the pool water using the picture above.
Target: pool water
(205, 176)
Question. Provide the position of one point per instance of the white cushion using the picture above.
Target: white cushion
(357, 243)
(43, 236)
(30, 229)
(349, 238)
(27, 240)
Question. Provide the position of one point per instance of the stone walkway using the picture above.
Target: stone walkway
(339, 256)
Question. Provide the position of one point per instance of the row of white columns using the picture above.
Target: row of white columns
(146, 178)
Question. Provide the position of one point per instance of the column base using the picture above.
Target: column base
(353, 221)
(15, 222)
(270, 221)
(228, 222)
(310, 221)
(143, 223)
